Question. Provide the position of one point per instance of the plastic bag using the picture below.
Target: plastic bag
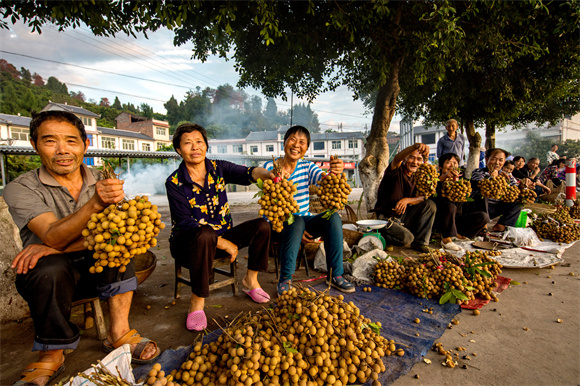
(320, 257)
(118, 362)
(522, 237)
(363, 267)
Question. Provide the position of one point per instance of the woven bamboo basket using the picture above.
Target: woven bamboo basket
(144, 265)
(348, 215)
(351, 237)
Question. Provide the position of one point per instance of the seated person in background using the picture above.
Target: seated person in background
(554, 173)
(396, 199)
(518, 172)
(450, 215)
(452, 142)
(51, 206)
(532, 169)
(508, 211)
(306, 227)
(202, 227)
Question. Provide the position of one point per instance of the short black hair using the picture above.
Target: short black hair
(489, 152)
(508, 163)
(557, 162)
(55, 115)
(188, 128)
(298, 129)
(518, 157)
(446, 157)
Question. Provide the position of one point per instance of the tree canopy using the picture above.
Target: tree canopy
(311, 47)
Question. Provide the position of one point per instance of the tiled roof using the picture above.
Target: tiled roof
(73, 109)
(123, 133)
(15, 120)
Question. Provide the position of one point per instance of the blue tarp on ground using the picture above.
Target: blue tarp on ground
(395, 310)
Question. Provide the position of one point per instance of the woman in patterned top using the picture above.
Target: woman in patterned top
(202, 224)
(307, 227)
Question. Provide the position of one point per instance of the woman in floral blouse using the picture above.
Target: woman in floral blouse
(202, 224)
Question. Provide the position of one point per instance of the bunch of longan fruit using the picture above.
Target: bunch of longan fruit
(456, 191)
(527, 196)
(333, 191)
(426, 178)
(277, 202)
(309, 338)
(493, 187)
(558, 227)
(122, 231)
(511, 195)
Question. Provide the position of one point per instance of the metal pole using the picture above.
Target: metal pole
(3, 171)
(128, 167)
(291, 107)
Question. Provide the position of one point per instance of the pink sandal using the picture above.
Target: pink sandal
(196, 321)
(258, 295)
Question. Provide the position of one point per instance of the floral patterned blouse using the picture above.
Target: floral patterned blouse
(192, 205)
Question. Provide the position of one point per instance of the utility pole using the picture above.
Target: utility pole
(291, 106)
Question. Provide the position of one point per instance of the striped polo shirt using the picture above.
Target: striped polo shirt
(305, 174)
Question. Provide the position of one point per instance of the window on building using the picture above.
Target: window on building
(146, 146)
(87, 121)
(318, 145)
(353, 144)
(428, 138)
(160, 145)
(160, 130)
(238, 148)
(89, 161)
(222, 149)
(128, 144)
(270, 148)
(19, 134)
(253, 149)
(107, 142)
(336, 145)
(209, 150)
(90, 138)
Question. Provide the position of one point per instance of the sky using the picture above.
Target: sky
(140, 70)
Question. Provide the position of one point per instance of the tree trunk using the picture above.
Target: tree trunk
(489, 135)
(376, 159)
(474, 145)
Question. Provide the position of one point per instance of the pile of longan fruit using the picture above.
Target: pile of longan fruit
(558, 227)
(456, 191)
(494, 187)
(426, 178)
(122, 231)
(332, 191)
(427, 280)
(277, 202)
(309, 338)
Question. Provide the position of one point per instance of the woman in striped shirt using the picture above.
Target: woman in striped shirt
(306, 227)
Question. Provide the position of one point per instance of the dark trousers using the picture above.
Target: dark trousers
(509, 212)
(51, 287)
(452, 216)
(417, 223)
(196, 248)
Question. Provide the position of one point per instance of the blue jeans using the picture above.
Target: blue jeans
(329, 229)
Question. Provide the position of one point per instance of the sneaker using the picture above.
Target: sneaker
(284, 286)
(421, 248)
(451, 246)
(341, 284)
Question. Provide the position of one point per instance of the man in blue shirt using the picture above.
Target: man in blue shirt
(452, 142)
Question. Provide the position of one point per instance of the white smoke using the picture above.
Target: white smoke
(147, 178)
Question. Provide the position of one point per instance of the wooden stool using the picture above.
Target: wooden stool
(93, 316)
(232, 276)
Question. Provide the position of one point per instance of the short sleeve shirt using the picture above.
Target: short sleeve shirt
(192, 205)
(395, 185)
(37, 192)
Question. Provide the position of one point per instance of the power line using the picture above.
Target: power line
(117, 92)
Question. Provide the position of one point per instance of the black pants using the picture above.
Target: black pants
(196, 248)
(452, 216)
(509, 212)
(51, 287)
(417, 224)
